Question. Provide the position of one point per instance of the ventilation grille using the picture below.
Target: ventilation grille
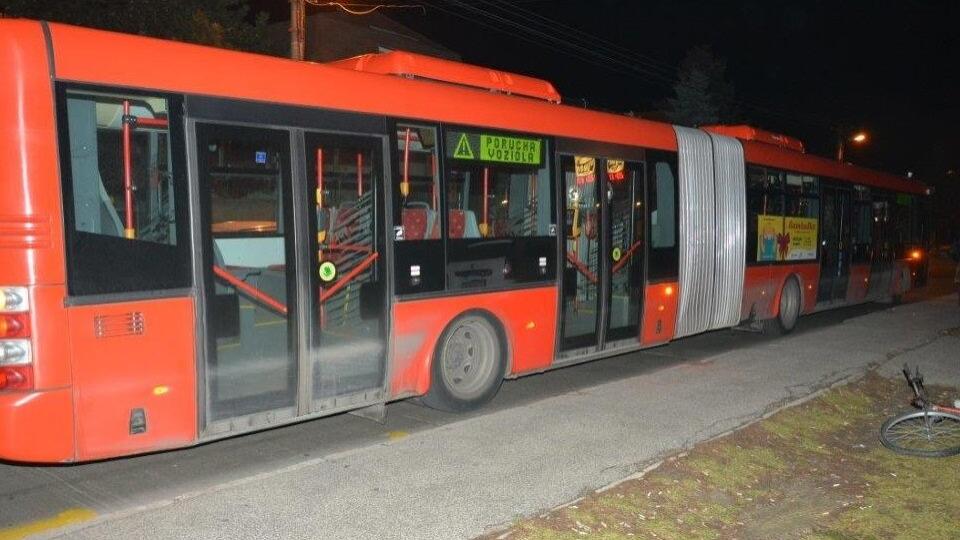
(124, 324)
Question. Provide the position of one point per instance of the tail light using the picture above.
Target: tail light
(16, 349)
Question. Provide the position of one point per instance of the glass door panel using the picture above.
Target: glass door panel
(829, 244)
(581, 277)
(244, 176)
(348, 346)
(841, 283)
(626, 229)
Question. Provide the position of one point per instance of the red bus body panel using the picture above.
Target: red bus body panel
(528, 318)
(659, 313)
(118, 370)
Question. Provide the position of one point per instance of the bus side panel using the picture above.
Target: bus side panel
(757, 295)
(528, 317)
(37, 426)
(31, 231)
(859, 283)
(130, 357)
(659, 313)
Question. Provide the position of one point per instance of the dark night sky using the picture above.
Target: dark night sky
(800, 67)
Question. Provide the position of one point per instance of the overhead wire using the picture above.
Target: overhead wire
(364, 9)
(600, 52)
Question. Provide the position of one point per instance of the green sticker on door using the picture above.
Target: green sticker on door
(328, 271)
(617, 254)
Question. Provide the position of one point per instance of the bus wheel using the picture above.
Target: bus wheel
(468, 366)
(790, 300)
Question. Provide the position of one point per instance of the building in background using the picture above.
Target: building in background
(336, 35)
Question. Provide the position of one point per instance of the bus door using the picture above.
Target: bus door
(251, 366)
(835, 244)
(882, 255)
(603, 274)
(347, 297)
(625, 231)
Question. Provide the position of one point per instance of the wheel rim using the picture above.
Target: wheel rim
(468, 358)
(924, 433)
(789, 305)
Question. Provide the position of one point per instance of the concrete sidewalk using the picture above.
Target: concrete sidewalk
(461, 479)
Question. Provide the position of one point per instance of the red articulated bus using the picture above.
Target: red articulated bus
(198, 243)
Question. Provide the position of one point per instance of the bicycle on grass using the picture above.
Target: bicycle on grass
(933, 431)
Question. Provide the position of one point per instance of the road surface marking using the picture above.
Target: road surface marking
(392, 435)
(63, 519)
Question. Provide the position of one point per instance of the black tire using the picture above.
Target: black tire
(468, 365)
(922, 434)
(788, 312)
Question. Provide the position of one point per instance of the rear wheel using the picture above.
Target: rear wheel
(789, 309)
(468, 366)
(922, 434)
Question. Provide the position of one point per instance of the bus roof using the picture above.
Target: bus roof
(101, 57)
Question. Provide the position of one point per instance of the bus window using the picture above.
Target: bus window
(123, 197)
(662, 215)
(417, 220)
(862, 225)
(418, 187)
(500, 223)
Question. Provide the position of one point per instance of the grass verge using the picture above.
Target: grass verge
(814, 471)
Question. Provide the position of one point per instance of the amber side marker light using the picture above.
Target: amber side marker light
(916, 254)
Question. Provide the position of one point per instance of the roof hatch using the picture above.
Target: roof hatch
(749, 133)
(407, 64)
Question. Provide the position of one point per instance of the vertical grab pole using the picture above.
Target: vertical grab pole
(129, 231)
(405, 181)
(321, 235)
(359, 174)
(485, 226)
(435, 194)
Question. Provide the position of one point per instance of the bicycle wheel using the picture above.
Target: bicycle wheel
(922, 434)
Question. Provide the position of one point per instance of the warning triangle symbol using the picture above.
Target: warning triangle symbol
(463, 150)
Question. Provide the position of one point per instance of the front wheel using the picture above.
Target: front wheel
(468, 366)
(922, 434)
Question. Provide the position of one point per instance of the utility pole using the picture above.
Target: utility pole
(298, 29)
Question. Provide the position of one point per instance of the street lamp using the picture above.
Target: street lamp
(859, 137)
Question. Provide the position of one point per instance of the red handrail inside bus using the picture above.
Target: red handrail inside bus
(250, 290)
(626, 256)
(581, 267)
(348, 277)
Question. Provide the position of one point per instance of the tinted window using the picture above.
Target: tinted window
(125, 195)
(499, 209)
(662, 215)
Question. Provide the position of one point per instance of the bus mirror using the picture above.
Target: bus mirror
(371, 300)
(569, 282)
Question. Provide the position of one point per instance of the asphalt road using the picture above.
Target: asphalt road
(219, 487)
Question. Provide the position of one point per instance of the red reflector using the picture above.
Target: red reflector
(14, 325)
(16, 378)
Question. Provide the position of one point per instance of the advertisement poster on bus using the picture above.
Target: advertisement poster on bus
(786, 239)
(801, 235)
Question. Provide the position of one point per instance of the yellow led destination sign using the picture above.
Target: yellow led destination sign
(496, 148)
(510, 149)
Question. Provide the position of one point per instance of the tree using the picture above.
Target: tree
(702, 95)
(220, 23)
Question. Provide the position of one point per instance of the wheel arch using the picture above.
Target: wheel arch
(503, 337)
